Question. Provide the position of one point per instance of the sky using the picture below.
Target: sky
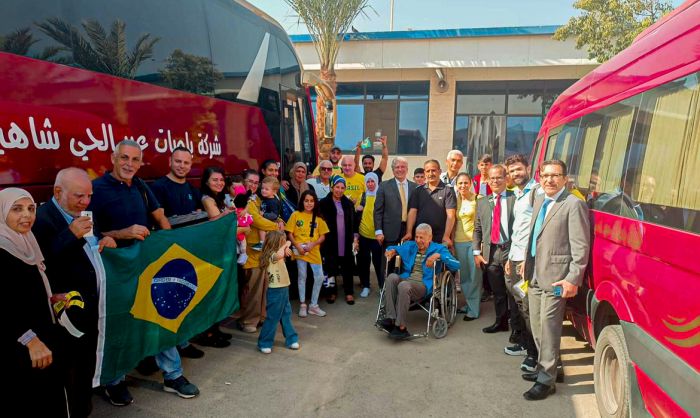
(442, 14)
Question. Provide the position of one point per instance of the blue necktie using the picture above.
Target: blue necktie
(538, 225)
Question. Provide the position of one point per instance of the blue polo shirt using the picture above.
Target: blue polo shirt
(116, 205)
(176, 198)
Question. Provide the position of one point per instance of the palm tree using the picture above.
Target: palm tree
(328, 21)
(106, 53)
(21, 40)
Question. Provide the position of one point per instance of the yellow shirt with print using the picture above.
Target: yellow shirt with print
(354, 187)
(299, 224)
(277, 274)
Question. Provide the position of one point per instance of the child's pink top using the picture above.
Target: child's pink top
(243, 220)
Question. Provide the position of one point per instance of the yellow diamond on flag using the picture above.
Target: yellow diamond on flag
(171, 286)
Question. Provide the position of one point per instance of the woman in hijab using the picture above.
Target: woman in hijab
(34, 381)
(297, 183)
(370, 249)
(342, 239)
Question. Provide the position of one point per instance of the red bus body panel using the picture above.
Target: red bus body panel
(89, 112)
(649, 274)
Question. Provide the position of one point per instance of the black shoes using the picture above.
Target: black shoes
(190, 351)
(468, 318)
(497, 327)
(118, 395)
(515, 336)
(399, 334)
(210, 341)
(387, 324)
(539, 391)
(515, 350)
(529, 364)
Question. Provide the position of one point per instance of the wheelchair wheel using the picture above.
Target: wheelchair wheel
(449, 298)
(439, 328)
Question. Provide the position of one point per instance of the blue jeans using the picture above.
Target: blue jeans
(470, 283)
(317, 270)
(169, 362)
(279, 311)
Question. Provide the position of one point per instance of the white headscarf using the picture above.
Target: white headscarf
(22, 246)
(371, 176)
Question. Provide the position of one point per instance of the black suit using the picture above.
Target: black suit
(387, 212)
(495, 255)
(68, 268)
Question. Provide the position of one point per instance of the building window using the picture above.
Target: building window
(398, 110)
(501, 118)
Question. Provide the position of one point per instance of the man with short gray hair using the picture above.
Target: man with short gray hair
(415, 279)
(455, 160)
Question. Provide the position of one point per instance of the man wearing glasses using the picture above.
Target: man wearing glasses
(321, 183)
(493, 229)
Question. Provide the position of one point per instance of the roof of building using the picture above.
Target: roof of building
(441, 33)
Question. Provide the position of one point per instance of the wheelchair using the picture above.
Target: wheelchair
(440, 305)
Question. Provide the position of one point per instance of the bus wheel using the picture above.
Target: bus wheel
(611, 374)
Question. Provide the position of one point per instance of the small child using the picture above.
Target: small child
(279, 310)
(306, 230)
(240, 201)
(270, 206)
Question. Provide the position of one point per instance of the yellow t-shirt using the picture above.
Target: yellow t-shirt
(299, 224)
(354, 187)
(367, 221)
(466, 215)
(277, 274)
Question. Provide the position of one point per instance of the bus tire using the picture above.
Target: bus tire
(611, 373)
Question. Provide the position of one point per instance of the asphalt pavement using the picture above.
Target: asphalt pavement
(348, 368)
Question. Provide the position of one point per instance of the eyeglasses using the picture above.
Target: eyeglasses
(327, 168)
(551, 176)
(496, 179)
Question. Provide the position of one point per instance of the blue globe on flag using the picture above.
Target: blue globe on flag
(173, 287)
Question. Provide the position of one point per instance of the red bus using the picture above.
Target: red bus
(77, 76)
(630, 134)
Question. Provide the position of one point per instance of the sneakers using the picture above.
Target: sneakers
(303, 311)
(316, 310)
(242, 258)
(529, 364)
(118, 395)
(249, 329)
(266, 350)
(294, 346)
(190, 351)
(182, 387)
(365, 292)
(256, 247)
(515, 350)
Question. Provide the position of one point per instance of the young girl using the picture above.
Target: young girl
(306, 230)
(279, 310)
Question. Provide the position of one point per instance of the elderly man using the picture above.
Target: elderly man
(415, 280)
(72, 259)
(125, 208)
(355, 182)
(368, 160)
(556, 259)
(433, 203)
(321, 184)
(454, 161)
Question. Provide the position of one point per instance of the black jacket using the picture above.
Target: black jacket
(68, 268)
(352, 225)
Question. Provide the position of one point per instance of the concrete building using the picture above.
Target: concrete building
(477, 90)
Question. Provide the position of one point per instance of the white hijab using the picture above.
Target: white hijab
(22, 246)
(374, 177)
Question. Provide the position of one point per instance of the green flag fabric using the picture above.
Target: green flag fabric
(162, 291)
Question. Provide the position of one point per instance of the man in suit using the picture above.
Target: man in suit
(556, 260)
(391, 205)
(491, 243)
(72, 261)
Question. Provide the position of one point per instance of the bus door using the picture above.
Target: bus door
(297, 144)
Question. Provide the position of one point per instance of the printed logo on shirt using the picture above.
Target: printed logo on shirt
(300, 223)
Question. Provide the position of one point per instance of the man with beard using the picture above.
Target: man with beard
(368, 160)
(335, 157)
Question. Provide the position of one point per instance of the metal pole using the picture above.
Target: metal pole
(391, 16)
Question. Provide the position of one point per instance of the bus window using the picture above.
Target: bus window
(662, 176)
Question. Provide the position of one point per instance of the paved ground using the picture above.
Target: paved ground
(348, 368)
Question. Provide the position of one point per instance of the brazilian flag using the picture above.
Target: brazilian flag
(162, 291)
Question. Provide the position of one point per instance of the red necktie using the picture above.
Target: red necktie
(496, 222)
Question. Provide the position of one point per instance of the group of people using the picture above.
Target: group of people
(339, 221)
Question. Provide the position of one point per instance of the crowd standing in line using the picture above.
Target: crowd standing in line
(342, 219)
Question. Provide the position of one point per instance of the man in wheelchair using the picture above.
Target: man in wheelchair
(415, 280)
